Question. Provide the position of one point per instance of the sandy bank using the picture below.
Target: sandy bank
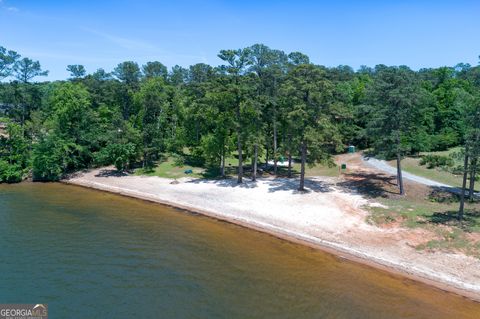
(325, 216)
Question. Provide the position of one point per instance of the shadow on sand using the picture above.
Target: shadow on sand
(107, 172)
(274, 185)
(372, 185)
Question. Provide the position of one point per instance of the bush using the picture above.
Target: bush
(120, 155)
(446, 139)
(433, 161)
(10, 173)
(440, 196)
(49, 159)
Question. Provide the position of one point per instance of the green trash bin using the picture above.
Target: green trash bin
(344, 166)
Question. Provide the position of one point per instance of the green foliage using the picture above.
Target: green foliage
(65, 146)
(77, 71)
(155, 69)
(307, 96)
(261, 104)
(445, 139)
(440, 196)
(398, 107)
(14, 153)
(26, 69)
(10, 173)
(51, 158)
(156, 114)
(120, 155)
(7, 61)
(433, 161)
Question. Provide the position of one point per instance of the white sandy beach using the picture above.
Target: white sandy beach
(325, 216)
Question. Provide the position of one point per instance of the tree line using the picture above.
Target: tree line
(261, 104)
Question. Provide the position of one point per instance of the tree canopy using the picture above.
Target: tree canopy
(260, 106)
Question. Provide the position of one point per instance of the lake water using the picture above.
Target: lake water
(90, 254)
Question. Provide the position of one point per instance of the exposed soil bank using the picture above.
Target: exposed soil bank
(325, 217)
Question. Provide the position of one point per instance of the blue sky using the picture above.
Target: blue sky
(103, 33)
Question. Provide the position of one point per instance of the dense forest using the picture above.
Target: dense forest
(260, 105)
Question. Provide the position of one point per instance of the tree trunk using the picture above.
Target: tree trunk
(23, 114)
(240, 161)
(464, 185)
(267, 155)
(240, 158)
(473, 173)
(197, 133)
(289, 156)
(274, 147)
(254, 166)
(302, 170)
(222, 168)
(399, 174)
(239, 144)
(289, 165)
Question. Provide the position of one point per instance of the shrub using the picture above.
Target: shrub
(10, 173)
(440, 196)
(120, 155)
(433, 161)
(446, 139)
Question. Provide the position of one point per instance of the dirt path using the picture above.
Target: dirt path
(327, 216)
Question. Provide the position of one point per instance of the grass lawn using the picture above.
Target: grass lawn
(444, 153)
(169, 168)
(412, 165)
(317, 170)
(172, 167)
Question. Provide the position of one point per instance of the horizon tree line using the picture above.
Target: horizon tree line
(261, 103)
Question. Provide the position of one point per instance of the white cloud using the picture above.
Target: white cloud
(3, 6)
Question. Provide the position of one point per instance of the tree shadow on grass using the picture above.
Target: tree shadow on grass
(471, 219)
(372, 185)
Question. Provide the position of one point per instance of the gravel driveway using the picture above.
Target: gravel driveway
(383, 166)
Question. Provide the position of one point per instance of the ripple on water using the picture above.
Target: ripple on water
(98, 255)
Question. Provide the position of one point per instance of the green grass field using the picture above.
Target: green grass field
(412, 165)
(171, 167)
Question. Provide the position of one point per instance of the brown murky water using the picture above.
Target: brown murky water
(95, 255)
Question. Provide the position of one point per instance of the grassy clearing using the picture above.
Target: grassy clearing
(175, 167)
(444, 153)
(412, 165)
(170, 168)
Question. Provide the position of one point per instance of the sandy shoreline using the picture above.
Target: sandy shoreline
(326, 217)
